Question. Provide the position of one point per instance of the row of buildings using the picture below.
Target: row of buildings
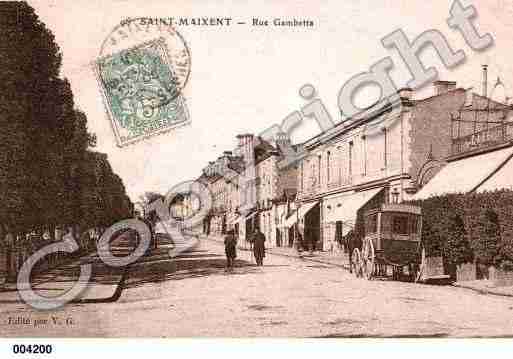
(392, 152)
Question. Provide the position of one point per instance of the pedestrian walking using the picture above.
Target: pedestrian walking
(230, 249)
(259, 247)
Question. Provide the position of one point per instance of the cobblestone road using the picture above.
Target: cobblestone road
(192, 295)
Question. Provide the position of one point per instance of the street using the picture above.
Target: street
(193, 296)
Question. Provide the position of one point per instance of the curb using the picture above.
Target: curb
(344, 266)
(482, 291)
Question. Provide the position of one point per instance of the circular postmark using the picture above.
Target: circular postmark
(143, 69)
(132, 32)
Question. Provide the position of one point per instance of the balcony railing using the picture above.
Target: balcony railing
(489, 137)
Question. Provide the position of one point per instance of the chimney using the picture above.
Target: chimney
(485, 80)
(406, 93)
(469, 97)
(246, 145)
(282, 140)
(227, 155)
(442, 87)
(220, 165)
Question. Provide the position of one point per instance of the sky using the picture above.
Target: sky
(245, 78)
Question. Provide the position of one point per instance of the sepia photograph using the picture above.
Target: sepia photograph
(330, 170)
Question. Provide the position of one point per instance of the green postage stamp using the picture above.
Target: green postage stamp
(141, 92)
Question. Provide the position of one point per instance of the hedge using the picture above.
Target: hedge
(463, 227)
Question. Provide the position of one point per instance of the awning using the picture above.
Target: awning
(298, 214)
(466, 175)
(305, 208)
(502, 179)
(348, 208)
(290, 220)
(244, 218)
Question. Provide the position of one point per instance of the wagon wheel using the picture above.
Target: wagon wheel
(368, 258)
(356, 263)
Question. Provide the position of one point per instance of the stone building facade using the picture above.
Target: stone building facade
(248, 187)
(383, 155)
(276, 188)
(220, 177)
(390, 150)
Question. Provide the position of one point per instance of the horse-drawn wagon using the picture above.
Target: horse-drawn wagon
(391, 238)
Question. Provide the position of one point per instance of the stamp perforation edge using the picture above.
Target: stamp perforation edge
(105, 99)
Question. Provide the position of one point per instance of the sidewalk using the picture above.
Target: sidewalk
(336, 259)
(106, 283)
(485, 287)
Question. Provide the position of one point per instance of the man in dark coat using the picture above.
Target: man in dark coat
(259, 247)
(230, 249)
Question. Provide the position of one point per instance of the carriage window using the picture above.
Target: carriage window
(372, 224)
(400, 225)
(413, 225)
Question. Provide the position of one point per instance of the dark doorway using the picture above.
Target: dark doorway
(291, 234)
(338, 235)
(249, 229)
(278, 238)
(313, 228)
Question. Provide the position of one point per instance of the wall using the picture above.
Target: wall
(431, 129)
(267, 180)
(280, 210)
(287, 178)
(421, 126)
(502, 278)
(466, 272)
(367, 153)
(266, 183)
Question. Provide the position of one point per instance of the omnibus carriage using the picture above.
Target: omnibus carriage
(391, 238)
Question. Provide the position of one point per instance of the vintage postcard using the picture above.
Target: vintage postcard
(184, 169)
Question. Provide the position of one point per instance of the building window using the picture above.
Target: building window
(340, 163)
(328, 166)
(350, 164)
(385, 149)
(364, 155)
(319, 171)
